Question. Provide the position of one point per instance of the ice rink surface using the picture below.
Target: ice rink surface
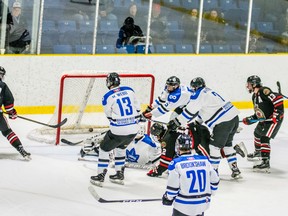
(55, 183)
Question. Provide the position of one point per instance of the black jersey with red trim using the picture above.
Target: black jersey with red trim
(6, 96)
(266, 102)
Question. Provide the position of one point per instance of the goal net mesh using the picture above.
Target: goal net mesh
(80, 101)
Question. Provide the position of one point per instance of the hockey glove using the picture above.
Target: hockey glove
(166, 201)
(147, 113)
(173, 124)
(277, 117)
(12, 114)
(249, 120)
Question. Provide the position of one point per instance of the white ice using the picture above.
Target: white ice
(54, 183)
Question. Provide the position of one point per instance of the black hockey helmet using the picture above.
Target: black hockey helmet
(173, 81)
(112, 80)
(197, 83)
(183, 143)
(157, 129)
(2, 72)
(254, 81)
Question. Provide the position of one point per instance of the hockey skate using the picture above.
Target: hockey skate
(99, 179)
(25, 155)
(263, 167)
(240, 149)
(154, 172)
(235, 172)
(255, 156)
(118, 178)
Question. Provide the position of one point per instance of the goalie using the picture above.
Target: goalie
(143, 152)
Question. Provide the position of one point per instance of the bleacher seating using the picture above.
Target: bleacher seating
(236, 48)
(108, 25)
(217, 48)
(83, 49)
(66, 25)
(62, 49)
(171, 3)
(86, 26)
(205, 48)
(210, 4)
(190, 4)
(48, 25)
(164, 48)
(228, 4)
(264, 26)
(184, 48)
(105, 49)
(72, 37)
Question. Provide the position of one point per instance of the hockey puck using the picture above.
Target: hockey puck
(90, 129)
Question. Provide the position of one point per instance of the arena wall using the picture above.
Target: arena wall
(35, 80)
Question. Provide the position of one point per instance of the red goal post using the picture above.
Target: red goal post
(80, 101)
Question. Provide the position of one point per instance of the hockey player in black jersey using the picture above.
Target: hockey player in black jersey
(269, 113)
(7, 100)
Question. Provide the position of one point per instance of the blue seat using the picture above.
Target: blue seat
(244, 24)
(184, 48)
(190, 4)
(142, 49)
(236, 48)
(164, 48)
(72, 37)
(111, 25)
(205, 48)
(62, 49)
(173, 3)
(83, 49)
(210, 4)
(105, 49)
(221, 48)
(48, 25)
(66, 25)
(172, 25)
(264, 26)
(48, 40)
(85, 26)
(235, 15)
(228, 4)
(176, 35)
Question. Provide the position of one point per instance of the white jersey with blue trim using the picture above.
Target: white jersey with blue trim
(143, 151)
(122, 109)
(211, 107)
(191, 182)
(178, 98)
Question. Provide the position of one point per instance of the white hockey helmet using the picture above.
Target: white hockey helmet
(141, 131)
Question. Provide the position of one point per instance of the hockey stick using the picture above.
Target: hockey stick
(101, 200)
(279, 89)
(76, 143)
(257, 120)
(37, 122)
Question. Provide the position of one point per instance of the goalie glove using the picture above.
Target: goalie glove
(166, 201)
(173, 124)
(12, 114)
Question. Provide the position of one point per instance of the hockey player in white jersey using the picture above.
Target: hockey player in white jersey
(191, 181)
(123, 111)
(145, 150)
(209, 108)
(174, 98)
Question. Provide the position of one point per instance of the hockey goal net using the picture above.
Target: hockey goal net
(80, 101)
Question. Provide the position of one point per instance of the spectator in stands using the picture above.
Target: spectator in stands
(190, 26)
(158, 26)
(126, 33)
(213, 27)
(106, 8)
(19, 37)
(80, 16)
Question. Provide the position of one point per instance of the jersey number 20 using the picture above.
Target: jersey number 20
(199, 178)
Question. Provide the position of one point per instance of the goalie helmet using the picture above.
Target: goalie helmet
(183, 143)
(197, 83)
(112, 79)
(157, 130)
(2, 72)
